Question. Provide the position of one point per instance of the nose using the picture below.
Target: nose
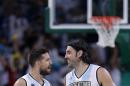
(66, 56)
(50, 62)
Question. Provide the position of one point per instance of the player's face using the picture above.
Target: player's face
(71, 56)
(45, 64)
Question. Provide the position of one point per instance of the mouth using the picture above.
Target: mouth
(68, 61)
(49, 67)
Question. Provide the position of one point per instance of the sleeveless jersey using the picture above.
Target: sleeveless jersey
(30, 81)
(88, 78)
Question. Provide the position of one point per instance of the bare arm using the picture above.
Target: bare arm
(20, 82)
(104, 77)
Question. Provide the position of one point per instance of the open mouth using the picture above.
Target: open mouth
(49, 67)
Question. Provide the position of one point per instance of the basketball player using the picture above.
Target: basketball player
(84, 73)
(40, 63)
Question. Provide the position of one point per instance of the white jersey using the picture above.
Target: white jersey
(30, 81)
(88, 78)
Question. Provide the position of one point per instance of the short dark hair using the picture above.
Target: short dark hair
(35, 55)
(80, 44)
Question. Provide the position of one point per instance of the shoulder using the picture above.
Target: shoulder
(102, 72)
(68, 77)
(104, 77)
(20, 82)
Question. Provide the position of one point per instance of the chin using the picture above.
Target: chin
(70, 66)
(44, 73)
(49, 71)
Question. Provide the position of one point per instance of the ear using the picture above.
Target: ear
(80, 52)
(37, 62)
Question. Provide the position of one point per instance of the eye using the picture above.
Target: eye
(48, 59)
(68, 52)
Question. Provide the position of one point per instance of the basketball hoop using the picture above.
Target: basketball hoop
(107, 28)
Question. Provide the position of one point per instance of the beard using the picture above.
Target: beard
(45, 72)
(70, 64)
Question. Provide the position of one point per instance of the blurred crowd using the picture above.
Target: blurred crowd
(22, 28)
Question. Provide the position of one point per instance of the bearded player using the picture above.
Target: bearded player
(84, 73)
(40, 63)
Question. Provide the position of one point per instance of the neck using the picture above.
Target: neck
(36, 75)
(80, 68)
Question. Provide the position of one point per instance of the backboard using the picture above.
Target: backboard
(76, 14)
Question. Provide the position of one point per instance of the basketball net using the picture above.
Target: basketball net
(107, 28)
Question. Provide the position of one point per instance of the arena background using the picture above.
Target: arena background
(25, 25)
